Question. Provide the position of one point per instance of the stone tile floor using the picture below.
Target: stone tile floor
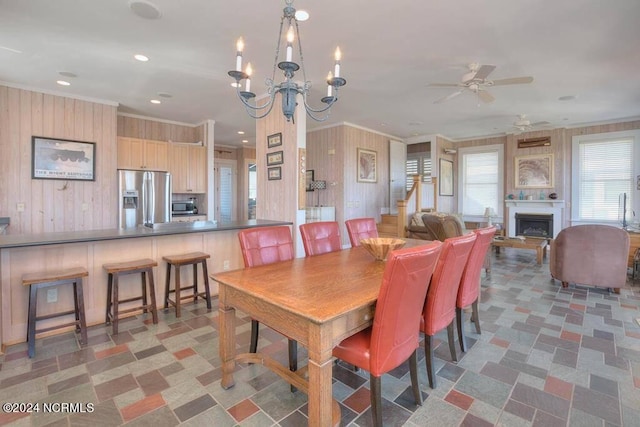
(547, 356)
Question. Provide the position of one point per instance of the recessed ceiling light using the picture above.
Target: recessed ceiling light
(145, 9)
(302, 15)
(156, 101)
(63, 83)
(245, 141)
(141, 58)
(67, 74)
(240, 132)
(567, 98)
(165, 95)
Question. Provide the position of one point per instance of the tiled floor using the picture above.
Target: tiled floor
(546, 357)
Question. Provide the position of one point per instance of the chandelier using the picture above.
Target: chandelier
(288, 88)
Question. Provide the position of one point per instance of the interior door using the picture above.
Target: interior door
(226, 195)
(397, 174)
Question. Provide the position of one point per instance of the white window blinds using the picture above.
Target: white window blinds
(605, 171)
(480, 177)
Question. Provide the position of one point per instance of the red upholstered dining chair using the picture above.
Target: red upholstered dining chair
(361, 228)
(469, 290)
(320, 237)
(267, 245)
(394, 336)
(440, 306)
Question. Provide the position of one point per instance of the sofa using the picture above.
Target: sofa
(592, 254)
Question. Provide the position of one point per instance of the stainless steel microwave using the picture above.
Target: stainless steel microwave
(184, 207)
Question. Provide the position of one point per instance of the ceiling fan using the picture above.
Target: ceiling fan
(523, 124)
(476, 81)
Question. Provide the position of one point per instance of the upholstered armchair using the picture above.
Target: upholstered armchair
(590, 255)
(435, 226)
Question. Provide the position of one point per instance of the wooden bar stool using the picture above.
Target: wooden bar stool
(37, 281)
(193, 258)
(115, 270)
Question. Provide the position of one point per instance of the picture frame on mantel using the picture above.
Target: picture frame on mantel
(367, 165)
(534, 171)
(63, 159)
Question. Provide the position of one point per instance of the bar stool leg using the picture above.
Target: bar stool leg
(31, 327)
(75, 305)
(205, 276)
(80, 310)
(167, 283)
(152, 291)
(107, 317)
(143, 283)
(195, 283)
(177, 291)
(114, 316)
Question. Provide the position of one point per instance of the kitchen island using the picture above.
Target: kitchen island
(33, 253)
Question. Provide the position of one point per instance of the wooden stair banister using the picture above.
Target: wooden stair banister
(413, 203)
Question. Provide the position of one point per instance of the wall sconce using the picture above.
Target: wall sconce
(450, 151)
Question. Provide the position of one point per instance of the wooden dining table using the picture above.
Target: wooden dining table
(317, 301)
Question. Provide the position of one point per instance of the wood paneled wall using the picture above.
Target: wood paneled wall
(134, 127)
(55, 205)
(332, 154)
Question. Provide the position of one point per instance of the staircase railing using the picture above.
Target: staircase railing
(421, 198)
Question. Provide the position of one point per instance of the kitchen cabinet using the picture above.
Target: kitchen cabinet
(188, 167)
(134, 153)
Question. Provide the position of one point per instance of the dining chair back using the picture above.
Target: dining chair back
(469, 291)
(361, 228)
(394, 337)
(267, 245)
(320, 237)
(440, 306)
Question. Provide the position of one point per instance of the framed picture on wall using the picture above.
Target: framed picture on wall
(367, 165)
(446, 177)
(274, 173)
(308, 179)
(274, 158)
(274, 140)
(62, 159)
(534, 171)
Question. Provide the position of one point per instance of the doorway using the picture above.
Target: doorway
(225, 195)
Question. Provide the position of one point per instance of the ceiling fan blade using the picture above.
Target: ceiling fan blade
(443, 85)
(485, 96)
(513, 81)
(540, 123)
(448, 97)
(484, 71)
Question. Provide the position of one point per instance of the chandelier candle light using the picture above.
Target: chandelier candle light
(288, 88)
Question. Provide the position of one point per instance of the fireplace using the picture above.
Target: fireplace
(534, 225)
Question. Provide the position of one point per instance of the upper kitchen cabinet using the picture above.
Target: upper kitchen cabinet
(134, 153)
(188, 167)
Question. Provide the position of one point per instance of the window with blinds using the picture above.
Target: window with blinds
(417, 165)
(480, 180)
(605, 170)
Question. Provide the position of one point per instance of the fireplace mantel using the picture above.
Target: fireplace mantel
(546, 206)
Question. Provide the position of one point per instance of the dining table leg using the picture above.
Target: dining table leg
(227, 342)
(320, 366)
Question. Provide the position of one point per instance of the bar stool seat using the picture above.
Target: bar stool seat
(37, 281)
(115, 270)
(192, 258)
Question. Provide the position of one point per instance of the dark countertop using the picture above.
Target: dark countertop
(24, 240)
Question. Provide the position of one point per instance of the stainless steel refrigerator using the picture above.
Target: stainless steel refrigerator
(144, 198)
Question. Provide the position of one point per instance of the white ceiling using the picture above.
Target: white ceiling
(391, 51)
